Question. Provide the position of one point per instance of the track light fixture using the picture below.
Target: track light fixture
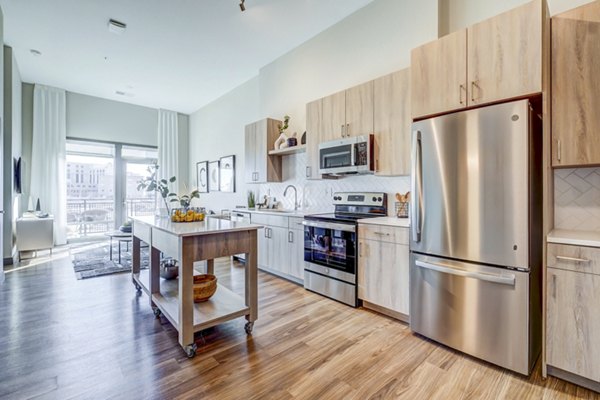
(242, 6)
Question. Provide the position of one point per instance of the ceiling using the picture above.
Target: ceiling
(175, 54)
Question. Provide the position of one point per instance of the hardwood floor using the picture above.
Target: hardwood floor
(61, 338)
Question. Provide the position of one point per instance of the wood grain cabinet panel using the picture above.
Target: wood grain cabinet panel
(505, 55)
(576, 88)
(314, 121)
(359, 110)
(439, 75)
(333, 122)
(260, 167)
(574, 258)
(573, 322)
(392, 123)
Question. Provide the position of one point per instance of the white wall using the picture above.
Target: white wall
(374, 41)
(462, 13)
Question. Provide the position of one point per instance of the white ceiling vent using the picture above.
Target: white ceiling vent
(117, 27)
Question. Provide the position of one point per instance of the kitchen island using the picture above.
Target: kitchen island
(188, 243)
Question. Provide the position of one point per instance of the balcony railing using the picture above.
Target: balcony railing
(87, 217)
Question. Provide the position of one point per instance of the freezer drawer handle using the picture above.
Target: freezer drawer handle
(505, 279)
(574, 259)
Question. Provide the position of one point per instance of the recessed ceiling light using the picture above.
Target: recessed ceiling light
(122, 93)
(117, 27)
(35, 52)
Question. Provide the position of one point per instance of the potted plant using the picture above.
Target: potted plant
(152, 184)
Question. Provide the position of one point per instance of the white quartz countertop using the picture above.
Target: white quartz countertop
(576, 238)
(207, 227)
(387, 221)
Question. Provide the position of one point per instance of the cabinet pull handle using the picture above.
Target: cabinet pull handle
(266, 232)
(290, 237)
(574, 259)
(382, 233)
(342, 130)
(347, 130)
(473, 86)
(553, 286)
(308, 172)
(460, 94)
(558, 150)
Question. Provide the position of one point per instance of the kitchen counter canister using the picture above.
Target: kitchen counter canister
(387, 221)
(576, 238)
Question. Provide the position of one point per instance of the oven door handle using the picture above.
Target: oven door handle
(330, 225)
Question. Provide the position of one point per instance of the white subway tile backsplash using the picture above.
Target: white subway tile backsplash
(577, 199)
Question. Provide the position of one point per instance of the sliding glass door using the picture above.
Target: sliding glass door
(102, 186)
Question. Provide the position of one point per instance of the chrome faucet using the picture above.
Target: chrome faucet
(296, 205)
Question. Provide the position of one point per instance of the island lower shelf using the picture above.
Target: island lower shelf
(223, 306)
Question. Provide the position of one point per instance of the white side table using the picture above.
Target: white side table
(35, 234)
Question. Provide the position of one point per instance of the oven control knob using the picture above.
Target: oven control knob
(374, 198)
(379, 199)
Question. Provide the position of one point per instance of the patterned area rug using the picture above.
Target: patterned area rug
(90, 261)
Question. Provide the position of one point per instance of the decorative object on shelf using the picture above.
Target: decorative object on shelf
(303, 138)
(205, 286)
(191, 214)
(213, 176)
(401, 205)
(202, 176)
(152, 184)
(169, 269)
(281, 142)
(227, 174)
(251, 199)
(38, 208)
(291, 142)
(126, 227)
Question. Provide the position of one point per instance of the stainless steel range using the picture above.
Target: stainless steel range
(330, 244)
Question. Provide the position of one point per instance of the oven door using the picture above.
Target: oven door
(330, 249)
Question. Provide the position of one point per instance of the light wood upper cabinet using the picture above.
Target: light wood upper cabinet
(573, 324)
(359, 110)
(314, 119)
(439, 75)
(505, 55)
(392, 123)
(333, 123)
(259, 139)
(576, 87)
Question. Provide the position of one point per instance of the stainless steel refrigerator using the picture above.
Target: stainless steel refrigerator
(476, 232)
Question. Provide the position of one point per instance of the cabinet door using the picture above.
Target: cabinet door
(260, 150)
(268, 168)
(279, 257)
(359, 110)
(505, 55)
(392, 123)
(263, 247)
(333, 122)
(296, 251)
(573, 323)
(314, 118)
(383, 274)
(438, 75)
(250, 154)
(576, 90)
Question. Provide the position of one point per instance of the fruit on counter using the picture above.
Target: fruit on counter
(189, 216)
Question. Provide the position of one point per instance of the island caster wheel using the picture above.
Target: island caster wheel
(157, 312)
(137, 285)
(190, 350)
(248, 327)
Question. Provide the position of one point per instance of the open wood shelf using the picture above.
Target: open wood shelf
(301, 148)
(223, 306)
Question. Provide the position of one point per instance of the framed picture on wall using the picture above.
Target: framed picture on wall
(213, 176)
(202, 176)
(227, 174)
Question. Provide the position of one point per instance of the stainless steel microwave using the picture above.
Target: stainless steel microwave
(353, 155)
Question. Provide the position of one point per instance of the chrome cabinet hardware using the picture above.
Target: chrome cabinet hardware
(574, 259)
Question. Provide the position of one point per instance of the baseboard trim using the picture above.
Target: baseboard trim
(576, 379)
(385, 311)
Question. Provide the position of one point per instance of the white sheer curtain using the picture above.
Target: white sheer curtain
(168, 146)
(48, 156)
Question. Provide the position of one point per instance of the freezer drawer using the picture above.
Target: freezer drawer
(482, 311)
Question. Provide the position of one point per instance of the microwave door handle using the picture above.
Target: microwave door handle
(353, 155)
(417, 188)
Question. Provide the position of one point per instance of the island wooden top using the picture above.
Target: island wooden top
(207, 227)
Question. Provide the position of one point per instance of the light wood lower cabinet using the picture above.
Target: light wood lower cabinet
(573, 323)
(281, 248)
(383, 270)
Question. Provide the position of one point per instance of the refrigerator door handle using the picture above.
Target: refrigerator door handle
(504, 279)
(417, 188)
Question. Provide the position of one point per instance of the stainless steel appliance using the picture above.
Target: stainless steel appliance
(352, 155)
(330, 242)
(476, 239)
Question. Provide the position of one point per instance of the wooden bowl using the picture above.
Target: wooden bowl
(205, 286)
